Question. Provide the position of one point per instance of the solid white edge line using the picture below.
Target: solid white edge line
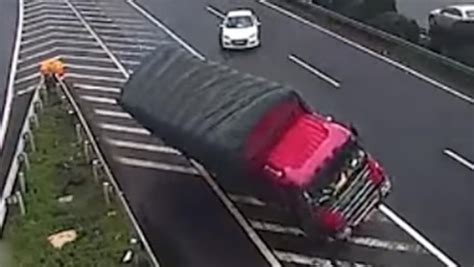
(215, 12)
(101, 43)
(460, 159)
(252, 234)
(313, 70)
(165, 29)
(413, 72)
(11, 77)
(431, 248)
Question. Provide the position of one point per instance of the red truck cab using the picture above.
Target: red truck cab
(328, 179)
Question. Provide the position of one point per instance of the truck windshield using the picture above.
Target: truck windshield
(331, 180)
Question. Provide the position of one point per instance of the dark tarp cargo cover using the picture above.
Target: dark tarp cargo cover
(205, 109)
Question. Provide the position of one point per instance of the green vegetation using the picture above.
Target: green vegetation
(58, 169)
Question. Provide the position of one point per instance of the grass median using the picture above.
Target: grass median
(58, 170)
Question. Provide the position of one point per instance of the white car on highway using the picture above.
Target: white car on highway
(240, 29)
(446, 18)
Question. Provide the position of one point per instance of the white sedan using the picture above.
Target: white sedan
(446, 18)
(240, 30)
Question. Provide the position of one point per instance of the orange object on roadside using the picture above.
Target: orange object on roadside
(52, 67)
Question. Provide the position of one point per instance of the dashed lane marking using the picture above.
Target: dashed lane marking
(460, 159)
(314, 71)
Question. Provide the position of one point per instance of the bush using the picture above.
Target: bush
(398, 25)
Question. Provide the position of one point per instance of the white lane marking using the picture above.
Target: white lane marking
(55, 42)
(156, 165)
(124, 129)
(34, 20)
(131, 46)
(11, 77)
(35, 3)
(215, 12)
(49, 16)
(99, 51)
(96, 78)
(27, 78)
(116, 20)
(460, 159)
(128, 39)
(51, 22)
(295, 258)
(387, 245)
(97, 38)
(45, 5)
(105, 89)
(116, 25)
(143, 146)
(417, 236)
(36, 55)
(53, 28)
(26, 91)
(276, 228)
(59, 35)
(314, 71)
(45, 11)
(252, 234)
(249, 200)
(131, 62)
(126, 33)
(398, 65)
(91, 68)
(103, 14)
(173, 35)
(83, 8)
(111, 113)
(98, 99)
(86, 58)
(357, 240)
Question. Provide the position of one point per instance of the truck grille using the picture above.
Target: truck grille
(358, 198)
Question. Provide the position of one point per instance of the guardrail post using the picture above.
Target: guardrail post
(21, 177)
(38, 106)
(87, 153)
(23, 158)
(21, 202)
(28, 137)
(78, 132)
(106, 189)
(34, 120)
(95, 169)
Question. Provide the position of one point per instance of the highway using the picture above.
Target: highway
(406, 122)
(420, 132)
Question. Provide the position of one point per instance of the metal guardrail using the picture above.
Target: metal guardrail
(91, 148)
(448, 62)
(20, 157)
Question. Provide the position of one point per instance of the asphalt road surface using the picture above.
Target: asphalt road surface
(8, 25)
(406, 122)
